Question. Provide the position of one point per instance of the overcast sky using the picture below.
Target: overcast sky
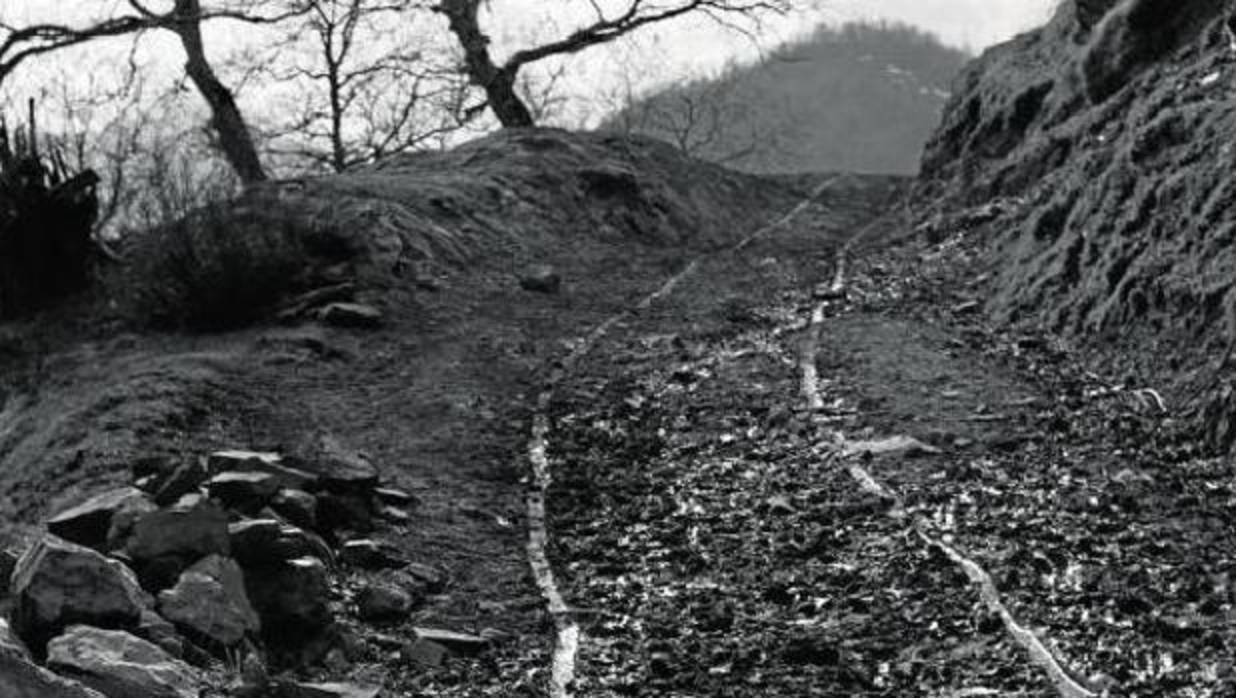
(667, 53)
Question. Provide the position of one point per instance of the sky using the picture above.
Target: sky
(674, 51)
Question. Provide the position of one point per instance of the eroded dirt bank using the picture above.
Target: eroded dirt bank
(1096, 152)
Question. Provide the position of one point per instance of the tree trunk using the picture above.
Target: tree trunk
(226, 119)
(498, 83)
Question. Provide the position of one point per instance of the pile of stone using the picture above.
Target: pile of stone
(238, 557)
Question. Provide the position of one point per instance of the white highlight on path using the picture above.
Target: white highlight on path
(845, 451)
(569, 636)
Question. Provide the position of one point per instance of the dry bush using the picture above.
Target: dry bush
(212, 269)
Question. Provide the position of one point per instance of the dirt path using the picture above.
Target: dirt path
(704, 524)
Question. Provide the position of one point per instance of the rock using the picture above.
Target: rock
(425, 653)
(541, 279)
(370, 554)
(297, 506)
(88, 523)
(120, 665)
(906, 445)
(261, 542)
(383, 601)
(155, 628)
(184, 479)
(351, 315)
(57, 583)
(327, 690)
(342, 470)
(210, 601)
(20, 677)
(395, 498)
(433, 579)
(123, 521)
(395, 515)
(243, 491)
(8, 562)
(259, 462)
(291, 597)
(345, 512)
(167, 541)
(459, 643)
(10, 644)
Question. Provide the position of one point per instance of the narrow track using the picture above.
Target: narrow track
(568, 635)
(1039, 654)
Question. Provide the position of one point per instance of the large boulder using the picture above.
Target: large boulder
(209, 602)
(57, 584)
(88, 523)
(20, 677)
(120, 665)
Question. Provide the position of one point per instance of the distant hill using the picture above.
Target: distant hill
(861, 97)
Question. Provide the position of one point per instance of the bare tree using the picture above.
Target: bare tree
(500, 81)
(363, 92)
(184, 18)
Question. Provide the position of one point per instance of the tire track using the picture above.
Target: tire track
(1039, 654)
(568, 634)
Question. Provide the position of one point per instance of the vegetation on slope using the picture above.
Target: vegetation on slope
(862, 97)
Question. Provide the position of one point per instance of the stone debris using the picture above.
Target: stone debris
(459, 643)
(261, 542)
(210, 602)
(57, 583)
(383, 601)
(89, 522)
(243, 491)
(327, 690)
(186, 478)
(370, 554)
(351, 315)
(20, 677)
(191, 577)
(119, 665)
(291, 596)
(297, 506)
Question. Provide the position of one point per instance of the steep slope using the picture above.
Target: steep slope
(1105, 136)
(857, 98)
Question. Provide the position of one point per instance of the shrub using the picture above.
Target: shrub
(213, 269)
(47, 217)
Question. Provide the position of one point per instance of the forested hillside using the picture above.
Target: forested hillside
(862, 97)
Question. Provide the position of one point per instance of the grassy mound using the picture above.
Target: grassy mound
(511, 198)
